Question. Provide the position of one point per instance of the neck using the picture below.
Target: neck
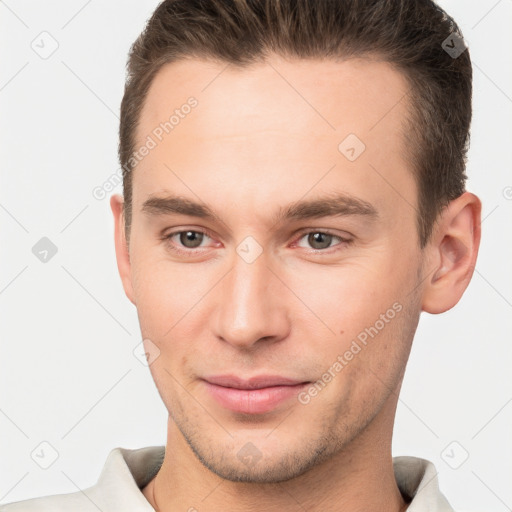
(358, 478)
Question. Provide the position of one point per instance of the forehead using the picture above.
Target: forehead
(278, 91)
(276, 123)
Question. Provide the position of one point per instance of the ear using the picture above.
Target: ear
(122, 252)
(452, 253)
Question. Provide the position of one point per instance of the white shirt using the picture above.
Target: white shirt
(126, 472)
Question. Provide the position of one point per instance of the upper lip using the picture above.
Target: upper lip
(257, 382)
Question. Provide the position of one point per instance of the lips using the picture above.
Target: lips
(256, 395)
(258, 382)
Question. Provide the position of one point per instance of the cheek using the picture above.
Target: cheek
(154, 303)
(354, 295)
(169, 299)
(367, 307)
(165, 292)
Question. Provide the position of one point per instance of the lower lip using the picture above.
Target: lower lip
(253, 401)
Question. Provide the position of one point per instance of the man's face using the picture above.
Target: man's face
(331, 299)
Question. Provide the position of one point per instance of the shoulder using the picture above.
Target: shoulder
(76, 501)
(119, 485)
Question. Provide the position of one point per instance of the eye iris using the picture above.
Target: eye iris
(324, 239)
(191, 236)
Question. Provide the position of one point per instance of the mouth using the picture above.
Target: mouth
(257, 395)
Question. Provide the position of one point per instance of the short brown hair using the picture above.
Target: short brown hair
(412, 35)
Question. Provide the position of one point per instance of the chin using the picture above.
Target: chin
(273, 462)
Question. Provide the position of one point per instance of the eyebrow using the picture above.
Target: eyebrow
(334, 205)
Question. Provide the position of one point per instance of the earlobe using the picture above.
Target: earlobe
(121, 248)
(453, 251)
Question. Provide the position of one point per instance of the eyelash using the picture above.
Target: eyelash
(343, 241)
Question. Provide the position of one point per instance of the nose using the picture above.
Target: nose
(251, 306)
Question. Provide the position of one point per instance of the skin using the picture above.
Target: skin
(259, 139)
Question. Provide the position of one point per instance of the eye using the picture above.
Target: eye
(321, 240)
(185, 241)
(189, 241)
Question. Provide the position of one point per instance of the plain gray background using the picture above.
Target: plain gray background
(68, 373)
